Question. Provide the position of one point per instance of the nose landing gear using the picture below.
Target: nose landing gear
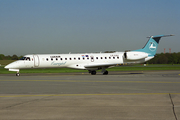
(17, 74)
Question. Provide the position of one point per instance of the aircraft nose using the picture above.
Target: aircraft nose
(11, 65)
(7, 66)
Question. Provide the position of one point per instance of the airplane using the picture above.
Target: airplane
(88, 61)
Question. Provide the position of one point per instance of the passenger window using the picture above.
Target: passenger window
(52, 59)
(113, 57)
(69, 58)
(61, 59)
(74, 58)
(96, 57)
(56, 58)
(47, 59)
(65, 58)
(101, 57)
(117, 57)
(105, 57)
(109, 57)
(78, 58)
(83, 58)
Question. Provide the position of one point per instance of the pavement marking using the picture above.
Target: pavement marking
(84, 81)
(106, 94)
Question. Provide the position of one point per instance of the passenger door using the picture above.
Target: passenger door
(36, 60)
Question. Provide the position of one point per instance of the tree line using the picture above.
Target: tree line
(167, 58)
(13, 57)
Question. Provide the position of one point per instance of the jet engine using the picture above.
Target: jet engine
(134, 55)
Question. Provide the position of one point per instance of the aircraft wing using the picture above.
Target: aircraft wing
(100, 65)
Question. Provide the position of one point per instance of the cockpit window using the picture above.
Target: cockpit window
(25, 58)
(28, 58)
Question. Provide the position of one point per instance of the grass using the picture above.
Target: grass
(5, 62)
(137, 67)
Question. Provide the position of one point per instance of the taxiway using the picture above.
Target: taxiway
(120, 95)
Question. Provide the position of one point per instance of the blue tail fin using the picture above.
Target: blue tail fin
(152, 45)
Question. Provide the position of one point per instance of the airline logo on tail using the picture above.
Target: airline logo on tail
(152, 46)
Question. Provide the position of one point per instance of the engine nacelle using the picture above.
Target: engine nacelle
(133, 55)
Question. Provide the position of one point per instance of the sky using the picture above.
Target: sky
(86, 26)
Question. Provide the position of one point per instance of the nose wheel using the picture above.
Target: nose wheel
(17, 74)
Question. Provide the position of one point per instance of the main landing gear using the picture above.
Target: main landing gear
(93, 72)
(105, 72)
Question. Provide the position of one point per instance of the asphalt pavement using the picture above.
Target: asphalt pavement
(132, 95)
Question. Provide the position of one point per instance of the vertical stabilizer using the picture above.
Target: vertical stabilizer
(152, 45)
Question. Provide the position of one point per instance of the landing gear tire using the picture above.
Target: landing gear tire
(17, 74)
(105, 73)
(93, 72)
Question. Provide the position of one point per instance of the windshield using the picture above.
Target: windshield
(25, 58)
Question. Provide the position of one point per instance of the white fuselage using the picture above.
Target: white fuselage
(86, 61)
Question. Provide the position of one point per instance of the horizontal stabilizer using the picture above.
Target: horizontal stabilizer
(160, 36)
